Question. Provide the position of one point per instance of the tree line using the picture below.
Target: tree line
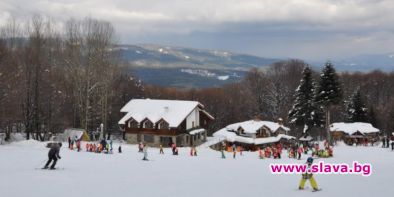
(59, 75)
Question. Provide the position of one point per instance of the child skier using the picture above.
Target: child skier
(222, 151)
(274, 153)
(120, 149)
(261, 155)
(161, 149)
(174, 149)
(110, 146)
(234, 150)
(308, 175)
(69, 142)
(279, 149)
(145, 151)
(140, 147)
(299, 152)
(79, 145)
(193, 151)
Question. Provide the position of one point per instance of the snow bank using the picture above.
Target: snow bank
(16, 137)
(29, 143)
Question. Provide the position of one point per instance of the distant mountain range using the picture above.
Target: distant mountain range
(186, 67)
(157, 56)
(195, 68)
(365, 63)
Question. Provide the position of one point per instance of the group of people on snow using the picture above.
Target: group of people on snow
(386, 142)
(103, 146)
(275, 150)
(75, 141)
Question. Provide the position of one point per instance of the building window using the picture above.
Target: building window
(133, 124)
(148, 138)
(148, 124)
(163, 125)
(240, 131)
(192, 124)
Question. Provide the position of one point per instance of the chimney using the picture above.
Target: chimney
(166, 109)
(257, 117)
(280, 121)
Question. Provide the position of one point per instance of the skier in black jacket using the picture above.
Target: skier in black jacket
(53, 155)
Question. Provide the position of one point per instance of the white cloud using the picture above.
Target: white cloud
(140, 19)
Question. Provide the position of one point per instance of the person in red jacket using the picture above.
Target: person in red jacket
(78, 145)
(300, 151)
(279, 149)
(268, 152)
(192, 151)
(275, 152)
(261, 155)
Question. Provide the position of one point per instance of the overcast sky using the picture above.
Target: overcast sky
(308, 29)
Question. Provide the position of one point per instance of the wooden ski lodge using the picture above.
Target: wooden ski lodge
(165, 122)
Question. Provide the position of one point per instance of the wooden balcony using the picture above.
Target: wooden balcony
(166, 132)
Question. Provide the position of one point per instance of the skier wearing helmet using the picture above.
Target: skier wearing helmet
(308, 175)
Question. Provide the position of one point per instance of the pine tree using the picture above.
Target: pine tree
(390, 122)
(356, 110)
(329, 92)
(372, 116)
(304, 111)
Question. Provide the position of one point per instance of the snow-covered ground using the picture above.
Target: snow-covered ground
(99, 175)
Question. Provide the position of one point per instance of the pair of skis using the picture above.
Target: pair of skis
(313, 190)
(49, 168)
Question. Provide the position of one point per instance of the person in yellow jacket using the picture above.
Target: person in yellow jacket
(161, 149)
(308, 175)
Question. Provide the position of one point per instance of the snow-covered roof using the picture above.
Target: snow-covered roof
(233, 137)
(172, 111)
(72, 133)
(252, 126)
(196, 131)
(306, 138)
(351, 128)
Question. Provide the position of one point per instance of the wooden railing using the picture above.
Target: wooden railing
(171, 132)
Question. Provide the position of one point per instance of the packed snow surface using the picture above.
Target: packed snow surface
(104, 175)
